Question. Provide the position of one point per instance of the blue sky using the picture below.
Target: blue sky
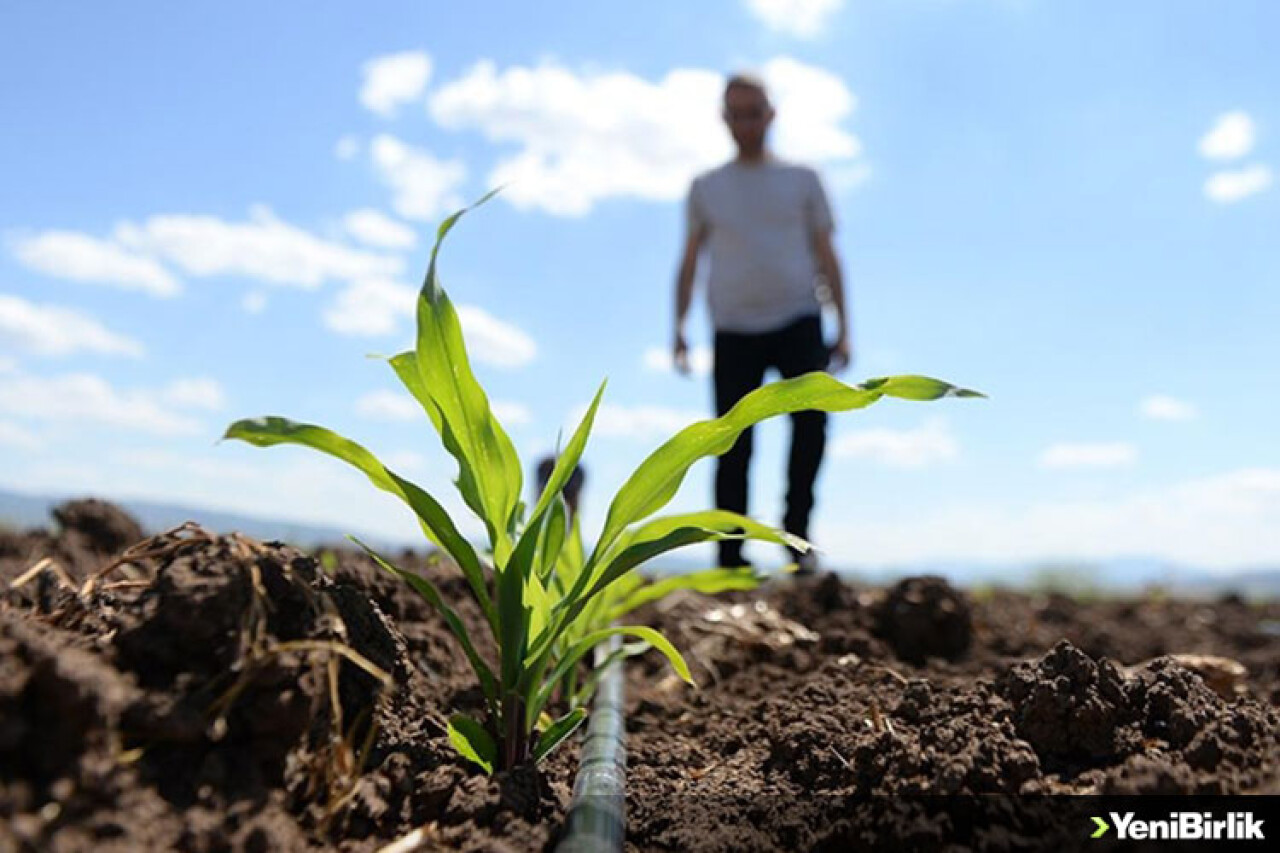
(216, 211)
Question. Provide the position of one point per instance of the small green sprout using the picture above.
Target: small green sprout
(547, 601)
(620, 598)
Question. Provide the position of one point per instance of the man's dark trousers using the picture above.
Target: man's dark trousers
(741, 360)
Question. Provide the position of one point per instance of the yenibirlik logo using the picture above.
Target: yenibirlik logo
(1183, 826)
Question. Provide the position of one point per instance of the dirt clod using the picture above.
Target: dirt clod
(103, 527)
(1067, 706)
(925, 617)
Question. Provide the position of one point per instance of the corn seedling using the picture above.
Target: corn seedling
(544, 621)
(619, 599)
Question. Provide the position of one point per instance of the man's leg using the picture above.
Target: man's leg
(801, 350)
(738, 370)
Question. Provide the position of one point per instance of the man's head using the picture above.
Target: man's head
(748, 113)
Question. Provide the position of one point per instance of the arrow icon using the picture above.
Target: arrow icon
(1102, 828)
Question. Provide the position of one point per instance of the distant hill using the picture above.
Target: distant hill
(1114, 576)
(24, 511)
(1117, 575)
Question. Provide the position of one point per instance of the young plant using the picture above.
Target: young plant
(622, 597)
(542, 621)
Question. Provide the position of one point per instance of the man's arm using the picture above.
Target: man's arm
(829, 267)
(684, 297)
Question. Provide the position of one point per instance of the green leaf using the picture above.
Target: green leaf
(552, 539)
(539, 603)
(627, 584)
(559, 730)
(918, 388)
(269, 431)
(572, 605)
(589, 684)
(517, 520)
(452, 220)
(658, 478)
(428, 591)
(539, 536)
(514, 616)
(466, 480)
(708, 582)
(574, 555)
(587, 643)
(489, 474)
(644, 550)
(567, 461)
(569, 564)
(724, 523)
(406, 367)
(473, 742)
(650, 540)
(552, 498)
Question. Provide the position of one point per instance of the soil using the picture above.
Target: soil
(199, 692)
(832, 717)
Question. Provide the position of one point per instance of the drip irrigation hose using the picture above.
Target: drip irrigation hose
(597, 812)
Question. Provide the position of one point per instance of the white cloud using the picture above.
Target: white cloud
(12, 435)
(1164, 408)
(399, 406)
(379, 307)
(1223, 521)
(584, 137)
(812, 103)
(393, 80)
(52, 330)
(79, 257)
(635, 422)
(658, 359)
(8, 365)
(913, 448)
(405, 461)
(377, 229)
(264, 248)
(1098, 455)
(423, 186)
(800, 18)
(1231, 136)
(1232, 186)
(347, 147)
(84, 398)
(372, 307)
(511, 414)
(254, 302)
(493, 341)
(389, 406)
(196, 393)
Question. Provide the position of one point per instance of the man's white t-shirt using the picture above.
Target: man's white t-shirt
(760, 219)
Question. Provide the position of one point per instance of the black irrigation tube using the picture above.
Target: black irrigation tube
(597, 812)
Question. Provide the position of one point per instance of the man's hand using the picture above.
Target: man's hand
(840, 354)
(680, 354)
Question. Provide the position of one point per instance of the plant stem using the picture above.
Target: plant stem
(515, 748)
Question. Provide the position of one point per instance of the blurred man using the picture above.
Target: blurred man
(572, 488)
(766, 227)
